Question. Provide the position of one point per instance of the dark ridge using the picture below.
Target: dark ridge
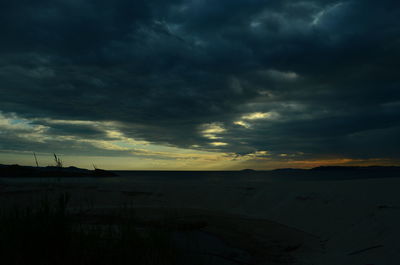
(355, 168)
(248, 170)
(339, 172)
(323, 172)
(340, 168)
(15, 171)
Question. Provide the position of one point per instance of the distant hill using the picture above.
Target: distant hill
(338, 172)
(340, 168)
(15, 171)
(248, 170)
(355, 168)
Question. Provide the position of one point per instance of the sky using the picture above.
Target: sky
(200, 84)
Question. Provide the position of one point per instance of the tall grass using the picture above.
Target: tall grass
(58, 161)
(48, 234)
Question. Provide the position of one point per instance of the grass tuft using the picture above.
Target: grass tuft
(48, 234)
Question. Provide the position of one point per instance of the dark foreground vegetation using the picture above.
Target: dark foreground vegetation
(49, 234)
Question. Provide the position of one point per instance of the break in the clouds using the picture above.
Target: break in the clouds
(229, 80)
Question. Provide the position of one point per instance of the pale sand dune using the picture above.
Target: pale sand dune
(335, 222)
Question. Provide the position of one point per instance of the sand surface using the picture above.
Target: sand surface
(278, 221)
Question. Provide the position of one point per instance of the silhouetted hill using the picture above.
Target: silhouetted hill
(14, 171)
(339, 172)
(317, 173)
(248, 170)
(340, 168)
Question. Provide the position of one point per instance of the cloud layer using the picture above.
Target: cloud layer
(299, 79)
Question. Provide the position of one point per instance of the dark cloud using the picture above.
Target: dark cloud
(163, 70)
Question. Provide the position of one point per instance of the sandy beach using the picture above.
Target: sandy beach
(348, 221)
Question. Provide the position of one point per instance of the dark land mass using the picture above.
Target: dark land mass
(14, 171)
(317, 173)
(339, 172)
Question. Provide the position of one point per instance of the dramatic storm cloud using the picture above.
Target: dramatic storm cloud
(230, 81)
